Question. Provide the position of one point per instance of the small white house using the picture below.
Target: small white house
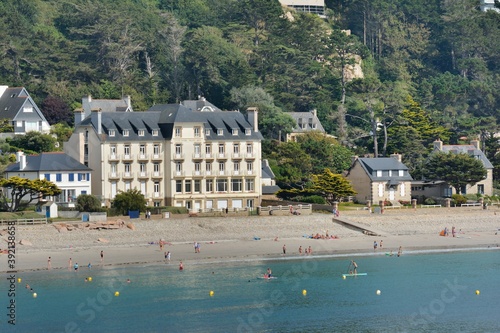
(70, 176)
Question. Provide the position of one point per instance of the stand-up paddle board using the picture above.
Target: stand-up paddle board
(267, 278)
(357, 274)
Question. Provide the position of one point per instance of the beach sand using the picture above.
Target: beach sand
(232, 238)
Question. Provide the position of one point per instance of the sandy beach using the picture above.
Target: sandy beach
(230, 238)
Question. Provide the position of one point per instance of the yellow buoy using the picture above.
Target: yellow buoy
(304, 292)
(19, 280)
(378, 292)
(117, 293)
(477, 292)
(89, 278)
(344, 277)
(211, 293)
(34, 295)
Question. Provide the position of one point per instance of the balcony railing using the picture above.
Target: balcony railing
(114, 175)
(156, 156)
(127, 157)
(209, 156)
(114, 157)
(142, 157)
(197, 156)
(156, 174)
(179, 156)
(143, 174)
(179, 173)
(237, 155)
(250, 155)
(128, 175)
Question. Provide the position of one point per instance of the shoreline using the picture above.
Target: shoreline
(231, 240)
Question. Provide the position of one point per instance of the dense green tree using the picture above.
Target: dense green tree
(333, 187)
(130, 200)
(291, 165)
(458, 170)
(325, 152)
(88, 203)
(34, 141)
(20, 192)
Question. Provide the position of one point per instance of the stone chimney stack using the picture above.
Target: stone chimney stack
(129, 102)
(438, 145)
(79, 116)
(21, 158)
(253, 118)
(398, 157)
(97, 120)
(475, 143)
(315, 112)
(87, 105)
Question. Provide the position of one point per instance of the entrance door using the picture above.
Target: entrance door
(391, 194)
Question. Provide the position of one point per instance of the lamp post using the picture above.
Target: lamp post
(374, 124)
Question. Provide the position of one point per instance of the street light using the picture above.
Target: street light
(375, 124)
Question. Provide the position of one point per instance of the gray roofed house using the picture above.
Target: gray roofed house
(305, 122)
(17, 106)
(380, 179)
(437, 188)
(71, 176)
(269, 187)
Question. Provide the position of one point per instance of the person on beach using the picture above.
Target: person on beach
(309, 250)
(300, 250)
(181, 266)
(375, 245)
(89, 266)
(102, 255)
(167, 256)
(161, 244)
(195, 247)
(49, 264)
(128, 280)
(400, 251)
(446, 231)
(453, 231)
(69, 263)
(381, 243)
(354, 267)
(76, 266)
(269, 273)
(284, 249)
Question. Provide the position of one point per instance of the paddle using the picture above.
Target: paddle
(350, 263)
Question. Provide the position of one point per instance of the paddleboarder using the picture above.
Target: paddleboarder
(355, 267)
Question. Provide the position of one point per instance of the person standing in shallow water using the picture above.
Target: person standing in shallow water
(284, 249)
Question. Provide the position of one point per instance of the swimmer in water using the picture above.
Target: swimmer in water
(181, 266)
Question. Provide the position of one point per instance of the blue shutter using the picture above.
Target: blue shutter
(88, 177)
(58, 177)
(47, 176)
(79, 177)
(71, 177)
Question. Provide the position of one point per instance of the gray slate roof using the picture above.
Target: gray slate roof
(308, 119)
(470, 150)
(11, 101)
(266, 170)
(49, 162)
(384, 164)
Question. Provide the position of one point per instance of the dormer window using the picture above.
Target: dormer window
(154, 133)
(220, 131)
(401, 173)
(379, 173)
(13, 95)
(235, 131)
(111, 132)
(125, 132)
(248, 131)
(141, 133)
(207, 132)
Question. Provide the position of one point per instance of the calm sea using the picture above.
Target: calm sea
(419, 292)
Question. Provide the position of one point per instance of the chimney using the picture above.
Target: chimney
(2, 90)
(21, 158)
(79, 116)
(397, 157)
(87, 105)
(96, 120)
(354, 159)
(253, 118)
(129, 102)
(475, 143)
(438, 145)
(315, 112)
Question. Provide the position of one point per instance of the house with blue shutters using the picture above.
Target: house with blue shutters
(71, 176)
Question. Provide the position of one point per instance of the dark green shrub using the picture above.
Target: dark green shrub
(315, 199)
(430, 201)
(458, 199)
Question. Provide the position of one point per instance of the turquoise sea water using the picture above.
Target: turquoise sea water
(419, 292)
